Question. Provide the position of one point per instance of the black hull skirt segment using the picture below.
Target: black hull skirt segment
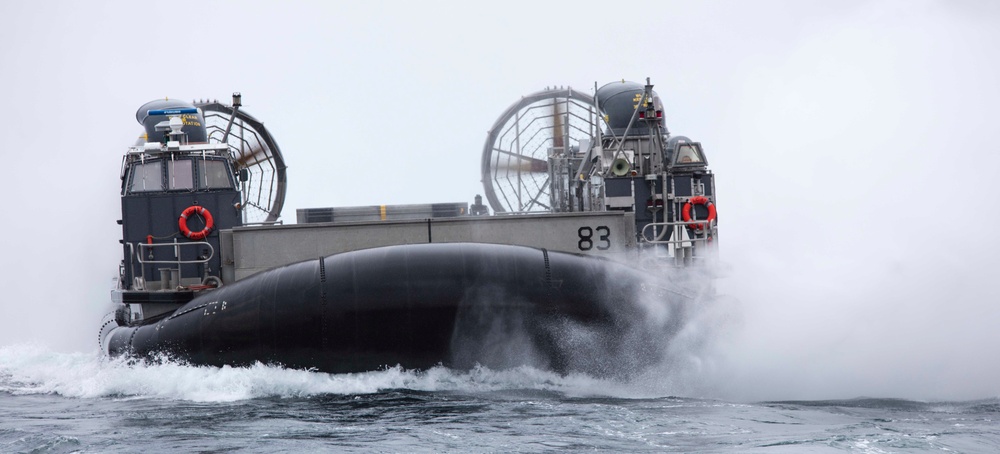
(416, 306)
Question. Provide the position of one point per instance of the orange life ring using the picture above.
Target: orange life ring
(183, 222)
(698, 200)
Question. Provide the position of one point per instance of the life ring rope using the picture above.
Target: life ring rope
(201, 234)
(698, 200)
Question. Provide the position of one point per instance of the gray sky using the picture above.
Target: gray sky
(853, 144)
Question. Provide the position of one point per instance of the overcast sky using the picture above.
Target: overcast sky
(853, 142)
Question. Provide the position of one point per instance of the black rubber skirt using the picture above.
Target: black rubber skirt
(417, 306)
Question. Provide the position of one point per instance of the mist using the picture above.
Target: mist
(859, 213)
(852, 143)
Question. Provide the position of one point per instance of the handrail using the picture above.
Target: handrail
(262, 223)
(710, 227)
(176, 245)
(519, 213)
(682, 249)
(177, 261)
(131, 260)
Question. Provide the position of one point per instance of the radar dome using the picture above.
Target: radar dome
(618, 102)
(155, 112)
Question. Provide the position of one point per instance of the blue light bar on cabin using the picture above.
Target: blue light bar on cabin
(187, 110)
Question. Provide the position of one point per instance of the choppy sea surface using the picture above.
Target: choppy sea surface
(52, 402)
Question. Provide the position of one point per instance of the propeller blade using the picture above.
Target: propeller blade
(520, 163)
(256, 155)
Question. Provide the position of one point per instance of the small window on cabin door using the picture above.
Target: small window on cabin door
(179, 174)
(147, 177)
(213, 175)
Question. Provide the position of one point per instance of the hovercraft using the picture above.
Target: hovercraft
(595, 213)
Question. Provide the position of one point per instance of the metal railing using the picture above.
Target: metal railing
(176, 262)
(709, 229)
(680, 248)
(262, 223)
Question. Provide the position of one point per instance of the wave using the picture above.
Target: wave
(35, 369)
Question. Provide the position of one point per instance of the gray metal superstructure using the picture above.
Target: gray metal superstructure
(562, 151)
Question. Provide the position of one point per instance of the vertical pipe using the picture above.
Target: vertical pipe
(517, 146)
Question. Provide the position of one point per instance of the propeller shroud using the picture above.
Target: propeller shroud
(256, 154)
(516, 157)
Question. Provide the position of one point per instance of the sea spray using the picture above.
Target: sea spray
(31, 369)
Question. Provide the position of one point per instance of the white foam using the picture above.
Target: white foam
(34, 369)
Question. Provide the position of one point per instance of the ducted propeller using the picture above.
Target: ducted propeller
(256, 156)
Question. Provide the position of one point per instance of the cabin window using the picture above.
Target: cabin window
(179, 174)
(688, 154)
(147, 177)
(213, 174)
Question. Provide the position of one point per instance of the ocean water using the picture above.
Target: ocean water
(53, 402)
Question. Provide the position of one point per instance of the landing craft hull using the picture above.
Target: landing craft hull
(416, 306)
